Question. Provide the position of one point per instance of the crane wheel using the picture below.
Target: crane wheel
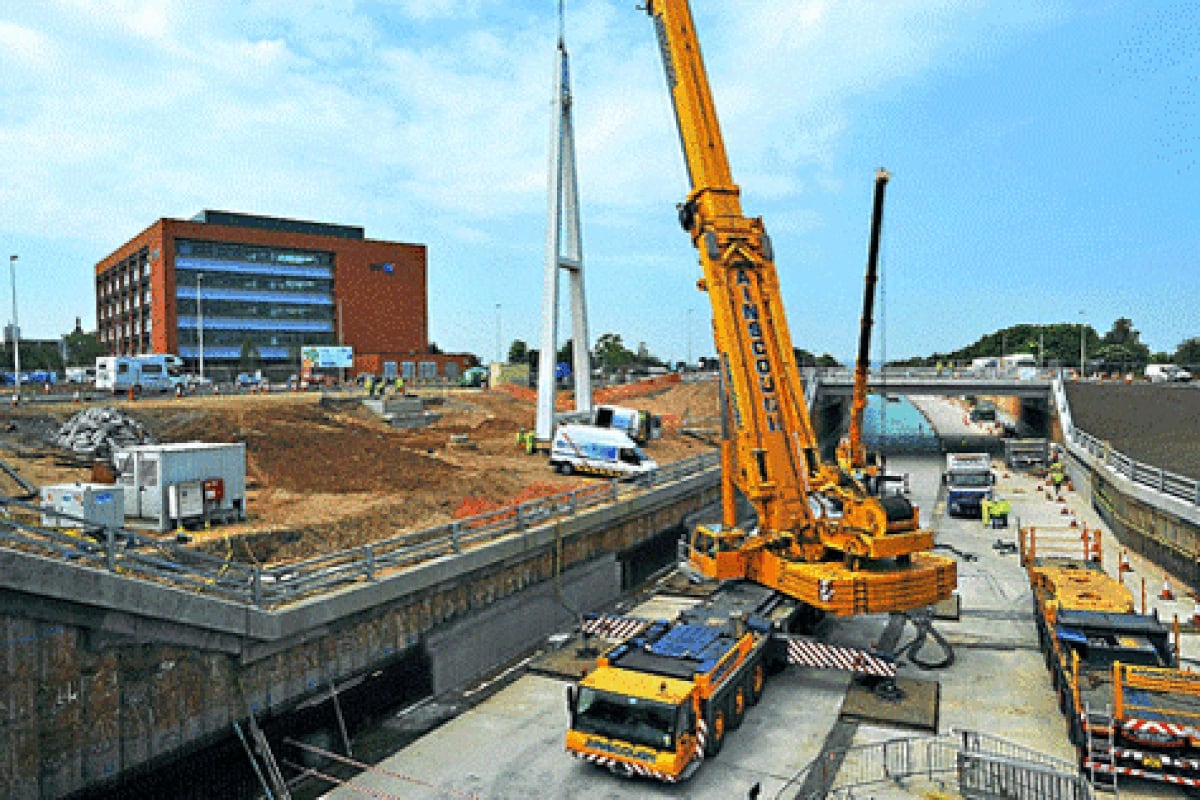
(716, 733)
(755, 683)
(737, 706)
(897, 508)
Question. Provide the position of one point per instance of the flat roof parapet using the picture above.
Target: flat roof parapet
(239, 220)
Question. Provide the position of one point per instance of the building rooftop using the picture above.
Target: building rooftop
(239, 220)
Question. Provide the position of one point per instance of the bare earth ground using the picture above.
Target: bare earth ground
(320, 480)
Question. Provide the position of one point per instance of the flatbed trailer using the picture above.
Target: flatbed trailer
(663, 699)
(1130, 709)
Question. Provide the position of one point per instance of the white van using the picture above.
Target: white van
(1167, 373)
(597, 451)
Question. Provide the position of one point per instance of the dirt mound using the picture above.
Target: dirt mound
(1157, 424)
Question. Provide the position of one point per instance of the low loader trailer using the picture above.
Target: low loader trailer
(1130, 709)
(662, 700)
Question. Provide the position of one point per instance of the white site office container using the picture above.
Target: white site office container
(98, 503)
(183, 482)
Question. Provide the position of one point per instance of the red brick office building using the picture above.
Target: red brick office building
(243, 286)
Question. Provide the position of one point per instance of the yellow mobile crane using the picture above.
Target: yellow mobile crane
(820, 537)
(852, 455)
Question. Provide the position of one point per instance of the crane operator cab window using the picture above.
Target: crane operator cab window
(824, 507)
(711, 540)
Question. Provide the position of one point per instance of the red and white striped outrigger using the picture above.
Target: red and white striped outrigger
(810, 653)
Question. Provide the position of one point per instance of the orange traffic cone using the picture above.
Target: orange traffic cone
(1123, 564)
(1074, 523)
(1062, 511)
(1196, 613)
(1166, 593)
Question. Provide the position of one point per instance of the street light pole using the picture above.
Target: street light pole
(498, 336)
(200, 323)
(689, 339)
(12, 268)
(1082, 348)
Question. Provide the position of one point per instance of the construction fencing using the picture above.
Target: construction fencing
(136, 555)
(979, 766)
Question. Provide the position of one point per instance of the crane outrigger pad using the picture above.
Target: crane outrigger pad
(916, 704)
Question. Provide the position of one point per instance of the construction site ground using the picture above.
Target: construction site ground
(321, 479)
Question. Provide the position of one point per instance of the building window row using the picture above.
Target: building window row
(186, 278)
(230, 251)
(213, 309)
(128, 274)
(189, 339)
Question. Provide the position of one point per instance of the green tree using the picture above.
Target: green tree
(566, 354)
(518, 352)
(83, 348)
(1121, 349)
(249, 358)
(807, 359)
(612, 354)
(1188, 352)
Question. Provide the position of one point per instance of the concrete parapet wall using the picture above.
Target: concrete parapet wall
(100, 673)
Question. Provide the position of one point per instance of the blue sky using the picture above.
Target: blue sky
(1044, 154)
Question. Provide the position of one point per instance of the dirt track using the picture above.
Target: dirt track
(321, 480)
(1158, 424)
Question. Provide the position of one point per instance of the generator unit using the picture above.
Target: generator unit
(184, 483)
(78, 505)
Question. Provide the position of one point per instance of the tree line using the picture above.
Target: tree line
(1121, 349)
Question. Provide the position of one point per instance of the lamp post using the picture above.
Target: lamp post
(689, 339)
(12, 269)
(1083, 347)
(200, 323)
(498, 336)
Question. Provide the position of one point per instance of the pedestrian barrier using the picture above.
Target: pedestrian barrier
(1156, 479)
(977, 764)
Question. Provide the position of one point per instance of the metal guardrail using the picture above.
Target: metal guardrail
(129, 553)
(982, 765)
(1165, 482)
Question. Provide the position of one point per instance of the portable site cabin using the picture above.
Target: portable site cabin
(183, 483)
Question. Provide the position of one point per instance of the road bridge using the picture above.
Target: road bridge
(929, 382)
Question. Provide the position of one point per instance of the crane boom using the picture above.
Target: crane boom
(852, 453)
(816, 526)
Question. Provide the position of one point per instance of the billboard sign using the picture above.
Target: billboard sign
(327, 357)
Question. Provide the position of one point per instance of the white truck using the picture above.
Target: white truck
(641, 426)
(968, 479)
(1167, 373)
(598, 451)
(159, 372)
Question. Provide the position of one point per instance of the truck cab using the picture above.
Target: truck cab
(635, 723)
(969, 480)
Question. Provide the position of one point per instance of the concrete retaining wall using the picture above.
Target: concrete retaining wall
(100, 673)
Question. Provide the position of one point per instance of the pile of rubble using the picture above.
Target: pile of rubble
(95, 433)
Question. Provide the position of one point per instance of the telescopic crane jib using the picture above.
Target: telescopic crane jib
(852, 455)
(820, 537)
